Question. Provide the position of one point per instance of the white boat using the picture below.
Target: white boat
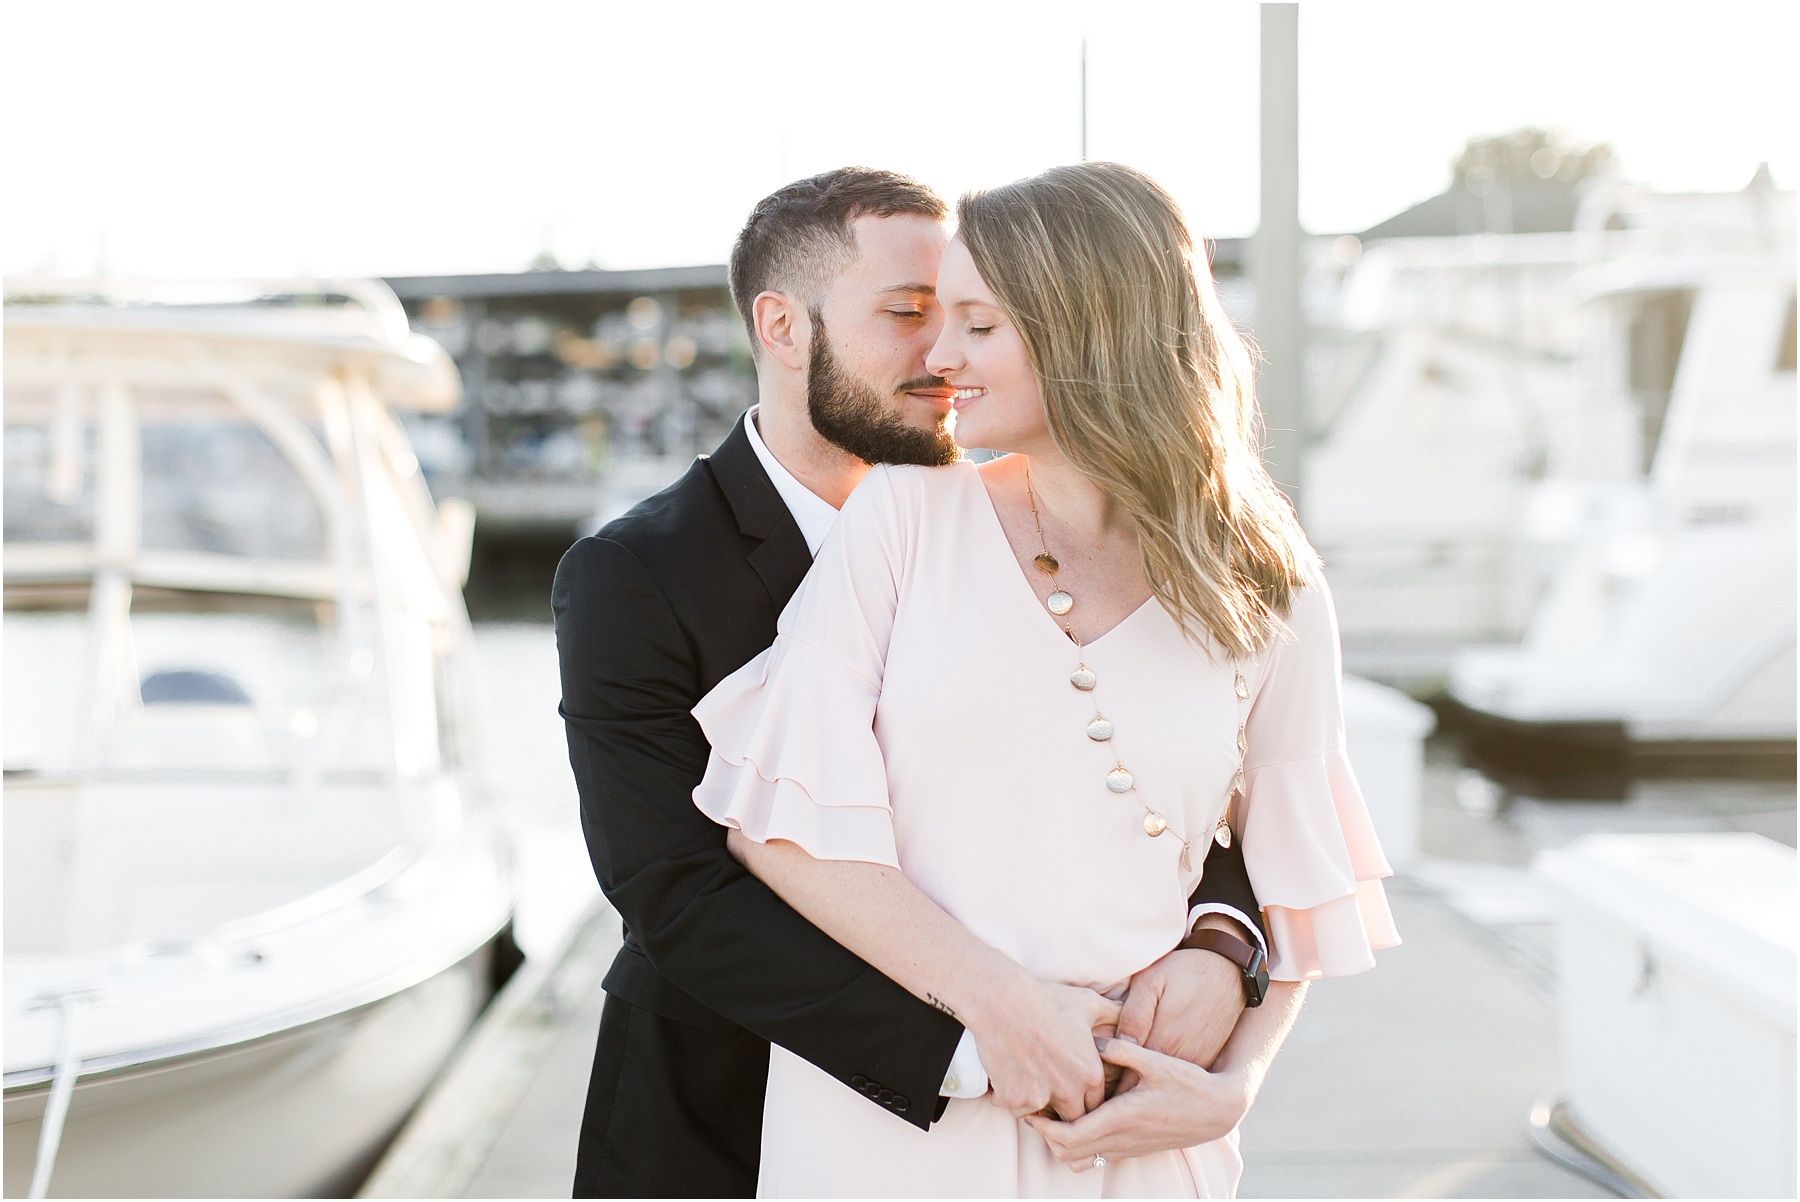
(1666, 638)
(1485, 403)
(252, 894)
(1675, 1010)
(1448, 392)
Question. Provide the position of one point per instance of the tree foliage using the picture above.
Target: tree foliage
(1530, 153)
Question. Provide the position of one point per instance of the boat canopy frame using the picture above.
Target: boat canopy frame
(385, 557)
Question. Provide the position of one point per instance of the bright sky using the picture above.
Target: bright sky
(398, 137)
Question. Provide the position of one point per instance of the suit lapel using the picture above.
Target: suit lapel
(780, 557)
(783, 562)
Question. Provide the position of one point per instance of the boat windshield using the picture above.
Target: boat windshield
(214, 482)
(204, 682)
(49, 478)
(210, 479)
(172, 600)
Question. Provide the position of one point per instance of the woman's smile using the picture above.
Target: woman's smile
(965, 394)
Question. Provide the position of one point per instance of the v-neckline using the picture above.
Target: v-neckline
(1017, 572)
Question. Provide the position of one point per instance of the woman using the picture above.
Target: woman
(1011, 703)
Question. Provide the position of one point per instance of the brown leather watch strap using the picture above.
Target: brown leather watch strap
(1210, 939)
(1249, 959)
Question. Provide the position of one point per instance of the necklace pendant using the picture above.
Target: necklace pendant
(1059, 603)
(1187, 860)
(1084, 679)
(1241, 687)
(1155, 824)
(1099, 730)
(1222, 833)
(1047, 562)
(1119, 780)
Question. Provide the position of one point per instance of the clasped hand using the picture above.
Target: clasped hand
(1062, 1051)
(1166, 1103)
(1039, 1051)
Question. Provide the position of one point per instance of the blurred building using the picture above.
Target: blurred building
(586, 391)
(583, 390)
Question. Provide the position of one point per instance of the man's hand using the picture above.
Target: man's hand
(1175, 1105)
(1185, 1004)
(1036, 1042)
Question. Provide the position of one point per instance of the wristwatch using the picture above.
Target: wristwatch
(1247, 956)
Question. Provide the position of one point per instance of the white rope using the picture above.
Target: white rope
(68, 1067)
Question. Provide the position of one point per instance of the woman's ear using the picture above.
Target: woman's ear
(783, 329)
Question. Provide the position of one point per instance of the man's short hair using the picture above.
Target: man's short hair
(799, 237)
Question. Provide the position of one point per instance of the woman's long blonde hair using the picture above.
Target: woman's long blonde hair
(1148, 388)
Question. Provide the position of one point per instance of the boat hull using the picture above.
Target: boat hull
(1597, 761)
(301, 1113)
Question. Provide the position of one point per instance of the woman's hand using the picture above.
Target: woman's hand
(1174, 1104)
(1036, 1041)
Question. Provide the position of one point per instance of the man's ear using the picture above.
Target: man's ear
(783, 329)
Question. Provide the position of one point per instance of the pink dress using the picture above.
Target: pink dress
(916, 711)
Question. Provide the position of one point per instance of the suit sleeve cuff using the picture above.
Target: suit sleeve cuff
(1232, 912)
(966, 1078)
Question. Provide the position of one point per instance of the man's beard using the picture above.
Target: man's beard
(852, 416)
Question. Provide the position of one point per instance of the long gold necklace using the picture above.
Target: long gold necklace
(1120, 780)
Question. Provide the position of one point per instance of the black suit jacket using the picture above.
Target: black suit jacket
(651, 613)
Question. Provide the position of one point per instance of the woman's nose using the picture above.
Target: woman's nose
(943, 359)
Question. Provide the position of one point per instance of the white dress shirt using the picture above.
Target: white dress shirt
(815, 516)
(812, 513)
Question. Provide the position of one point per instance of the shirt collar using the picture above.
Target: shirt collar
(812, 513)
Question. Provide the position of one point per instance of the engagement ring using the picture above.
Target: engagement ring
(1099, 1161)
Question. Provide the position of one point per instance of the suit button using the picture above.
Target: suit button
(899, 1103)
(858, 1083)
(885, 1096)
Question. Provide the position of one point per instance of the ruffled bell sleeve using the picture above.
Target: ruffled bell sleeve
(1309, 844)
(794, 754)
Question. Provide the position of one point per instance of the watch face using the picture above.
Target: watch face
(1259, 984)
(1256, 979)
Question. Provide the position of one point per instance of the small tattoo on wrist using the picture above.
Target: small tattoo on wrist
(938, 1004)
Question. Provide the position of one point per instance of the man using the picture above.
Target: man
(834, 279)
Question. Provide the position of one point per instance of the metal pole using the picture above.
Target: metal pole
(1278, 323)
(474, 367)
(1084, 154)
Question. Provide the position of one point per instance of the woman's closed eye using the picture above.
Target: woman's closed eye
(980, 331)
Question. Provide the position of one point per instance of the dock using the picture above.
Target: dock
(502, 1120)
